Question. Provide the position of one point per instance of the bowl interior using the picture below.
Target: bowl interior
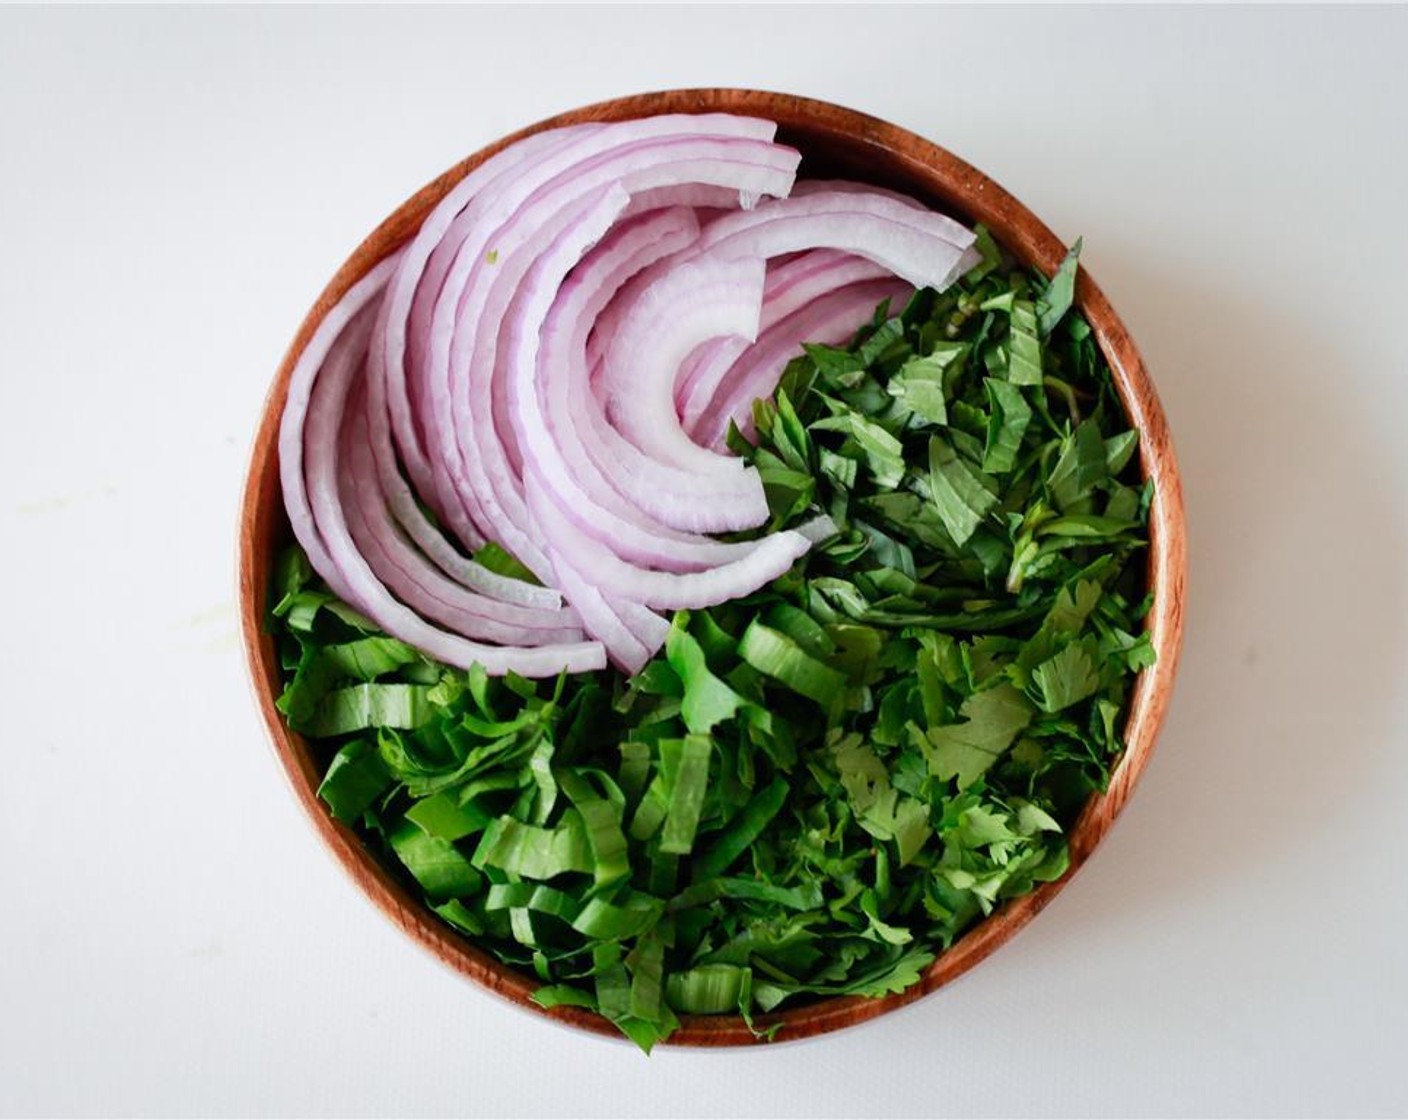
(835, 142)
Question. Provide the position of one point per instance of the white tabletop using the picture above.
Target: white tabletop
(177, 185)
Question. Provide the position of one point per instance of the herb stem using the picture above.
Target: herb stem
(1066, 393)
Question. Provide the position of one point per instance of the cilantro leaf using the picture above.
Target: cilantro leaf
(989, 722)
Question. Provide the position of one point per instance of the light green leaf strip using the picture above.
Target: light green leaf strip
(362, 706)
(1024, 355)
(961, 499)
(605, 838)
(1009, 415)
(437, 865)
(691, 783)
(1060, 295)
(532, 852)
(779, 657)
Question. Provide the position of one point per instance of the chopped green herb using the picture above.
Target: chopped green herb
(816, 790)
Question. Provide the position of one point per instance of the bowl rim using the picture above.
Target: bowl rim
(961, 189)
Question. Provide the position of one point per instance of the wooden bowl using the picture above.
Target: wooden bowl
(834, 141)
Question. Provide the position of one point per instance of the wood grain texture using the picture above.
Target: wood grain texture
(834, 141)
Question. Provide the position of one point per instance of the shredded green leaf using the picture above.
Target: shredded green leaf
(961, 493)
(1058, 298)
(816, 790)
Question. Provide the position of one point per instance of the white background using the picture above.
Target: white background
(175, 188)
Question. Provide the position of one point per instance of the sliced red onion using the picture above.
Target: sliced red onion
(849, 186)
(418, 584)
(699, 373)
(400, 501)
(888, 232)
(831, 320)
(549, 426)
(686, 306)
(352, 577)
(808, 276)
(650, 628)
(556, 356)
(336, 344)
(561, 537)
(917, 245)
(397, 386)
(961, 235)
(791, 285)
(623, 648)
(487, 476)
(520, 217)
(697, 196)
(678, 499)
(606, 571)
(818, 529)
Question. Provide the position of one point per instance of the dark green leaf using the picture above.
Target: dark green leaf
(460, 916)
(355, 778)
(1024, 360)
(1059, 296)
(1080, 467)
(744, 829)
(707, 700)
(1009, 416)
(362, 706)
(883, 454)
(708, 989)
(919, 385)
(1119, 449)
(443, 816)
(438, 866)
(562, 995)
